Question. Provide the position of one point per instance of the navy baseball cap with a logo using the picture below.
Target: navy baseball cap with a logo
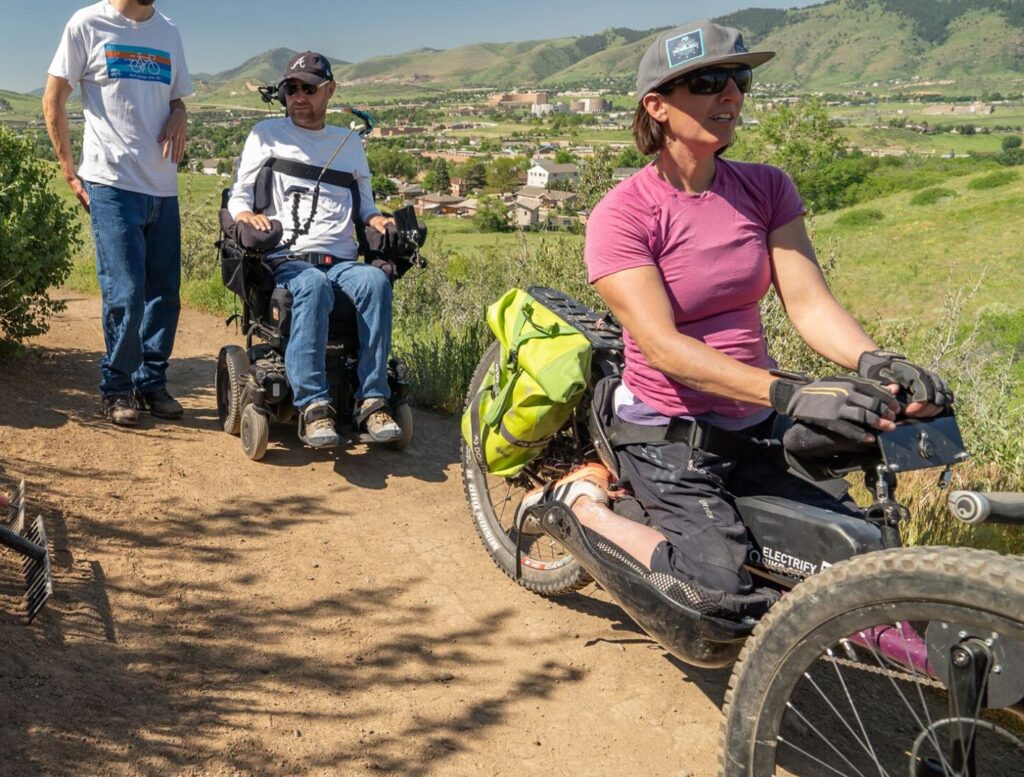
(309, 67)
(689, 47)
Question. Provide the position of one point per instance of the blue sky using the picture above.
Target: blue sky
(220, 34)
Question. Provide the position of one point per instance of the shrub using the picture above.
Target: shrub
(993, 180)
(1011, 157)
(863, 217)
(931, 196)
(37, 234)
(1011, 142)
(199, 229)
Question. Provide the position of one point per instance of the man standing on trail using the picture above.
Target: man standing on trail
(129, 62)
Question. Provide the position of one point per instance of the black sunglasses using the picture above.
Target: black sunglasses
(290, 88)
(713, 80)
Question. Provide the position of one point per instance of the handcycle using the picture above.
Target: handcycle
(878, 660)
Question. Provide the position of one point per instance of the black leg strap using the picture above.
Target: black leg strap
(317, 412)
(368, 408)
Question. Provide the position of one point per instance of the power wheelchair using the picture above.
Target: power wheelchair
(251, 384)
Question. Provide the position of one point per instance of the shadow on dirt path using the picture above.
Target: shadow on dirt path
(316, 613)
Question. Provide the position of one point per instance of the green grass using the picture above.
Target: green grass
(931, 195)
(901, 266)
(993, 180)
(860, 217)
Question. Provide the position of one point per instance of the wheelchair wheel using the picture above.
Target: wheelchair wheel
(255, 431)
(403, 417)
(852, 673)
(232, 375)
(547, 567)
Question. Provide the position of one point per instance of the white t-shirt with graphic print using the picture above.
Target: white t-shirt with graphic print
(129, 72)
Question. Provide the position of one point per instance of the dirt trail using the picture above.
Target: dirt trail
(315, 613)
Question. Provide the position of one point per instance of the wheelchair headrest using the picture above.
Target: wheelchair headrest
(248, 237)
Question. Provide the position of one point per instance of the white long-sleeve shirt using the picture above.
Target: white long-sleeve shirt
(331, 231)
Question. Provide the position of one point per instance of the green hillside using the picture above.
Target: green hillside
(946, 46)
(19, 107)
(898, 259)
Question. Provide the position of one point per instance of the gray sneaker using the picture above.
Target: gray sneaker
(316, 427)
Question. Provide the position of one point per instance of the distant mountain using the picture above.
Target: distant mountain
(263, 68)
(838, 45)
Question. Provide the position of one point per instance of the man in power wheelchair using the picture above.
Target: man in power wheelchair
(299, 213)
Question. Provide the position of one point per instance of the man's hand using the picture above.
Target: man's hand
(174, 135)
(256, 220)
(927, 393)
(79, 189)
(847, 406)
(380, 223)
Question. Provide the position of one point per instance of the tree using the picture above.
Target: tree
(802, 140)
(474, 174)
(37, 234)
(492, 216)
(386, 160)
(1013, 141)
(595, 178)
(631, 157)
(503, 173)
(438, 179)
(564, 157)
(383, 186)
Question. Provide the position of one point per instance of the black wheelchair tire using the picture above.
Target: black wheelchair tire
(403, 417)
(255, 432)
(562, 577)
(232, 375)
(791, 656)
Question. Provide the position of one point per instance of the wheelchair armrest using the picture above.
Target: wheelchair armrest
(248, 237)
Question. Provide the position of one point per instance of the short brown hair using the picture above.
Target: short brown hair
(647, 133)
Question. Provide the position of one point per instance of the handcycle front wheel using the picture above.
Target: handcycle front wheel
(848, 674)
(547, 567)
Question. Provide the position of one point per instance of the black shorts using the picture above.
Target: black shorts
(689, 495)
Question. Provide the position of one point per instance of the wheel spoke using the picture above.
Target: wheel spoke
(814, 758)
(823, 738)
(870, 643)
(856, 714)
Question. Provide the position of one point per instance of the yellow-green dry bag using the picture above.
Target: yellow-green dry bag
(543, 370)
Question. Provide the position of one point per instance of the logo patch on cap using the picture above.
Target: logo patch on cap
(684, 48)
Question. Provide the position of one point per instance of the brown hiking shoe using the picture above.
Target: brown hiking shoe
(119, 409)
(160, 403)
(379, 423)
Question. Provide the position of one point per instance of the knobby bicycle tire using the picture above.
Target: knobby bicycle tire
(547, 568)
(803, 700)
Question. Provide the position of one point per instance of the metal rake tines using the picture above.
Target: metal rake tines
(38, 573)
(16, 511)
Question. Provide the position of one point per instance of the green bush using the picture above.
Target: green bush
(993, 180)
(931, 196)
(863, 217)
(38, 232)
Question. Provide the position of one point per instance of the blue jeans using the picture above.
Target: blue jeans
(312, 290)
(138, 264)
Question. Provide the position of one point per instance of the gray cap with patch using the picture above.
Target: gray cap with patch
(689, 47)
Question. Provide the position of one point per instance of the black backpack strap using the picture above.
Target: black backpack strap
(310, 172)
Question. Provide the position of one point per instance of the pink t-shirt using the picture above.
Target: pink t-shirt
(712, 252)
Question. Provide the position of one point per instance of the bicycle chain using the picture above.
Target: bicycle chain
(895, 674)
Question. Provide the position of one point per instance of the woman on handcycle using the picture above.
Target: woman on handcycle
(682, 252)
